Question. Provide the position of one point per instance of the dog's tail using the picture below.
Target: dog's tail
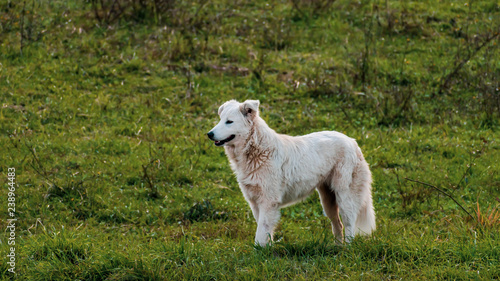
(365, 223)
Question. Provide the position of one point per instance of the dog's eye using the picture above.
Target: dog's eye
(229, 122)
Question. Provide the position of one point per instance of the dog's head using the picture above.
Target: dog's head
(236, 120)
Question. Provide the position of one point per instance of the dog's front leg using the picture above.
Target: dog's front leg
(269, 216)
(255, 210)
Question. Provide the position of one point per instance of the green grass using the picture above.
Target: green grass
(105, 124)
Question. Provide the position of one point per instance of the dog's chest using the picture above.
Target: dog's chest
(251, 191)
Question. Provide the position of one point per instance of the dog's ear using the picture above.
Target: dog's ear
(220, 109)
(250, 108)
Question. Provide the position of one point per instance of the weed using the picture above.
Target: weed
(203, 211)
(62, 248)
(306, 9)
(108, 12)
(489, 218)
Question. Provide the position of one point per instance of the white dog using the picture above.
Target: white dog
(275, 170)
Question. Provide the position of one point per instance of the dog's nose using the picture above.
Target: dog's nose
(210, 135)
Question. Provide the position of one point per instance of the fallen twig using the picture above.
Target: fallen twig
(444, 192)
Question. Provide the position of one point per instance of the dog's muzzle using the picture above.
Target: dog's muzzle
(221, 142)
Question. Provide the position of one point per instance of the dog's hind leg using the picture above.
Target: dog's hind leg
(269, 215)
(331, 209)
(348, 201)
(353, 194)
(349, 209)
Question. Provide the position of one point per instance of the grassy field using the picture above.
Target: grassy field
(105, 110)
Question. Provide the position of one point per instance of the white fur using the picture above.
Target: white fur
(275, 170)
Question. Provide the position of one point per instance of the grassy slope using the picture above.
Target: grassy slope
(122, 182)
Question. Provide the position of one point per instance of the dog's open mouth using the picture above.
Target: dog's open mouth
(222, 142)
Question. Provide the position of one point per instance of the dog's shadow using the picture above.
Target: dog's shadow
(301, 250)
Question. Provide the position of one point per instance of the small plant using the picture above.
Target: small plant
(107, 12)
(21, 17)
(203, 211)
(60, 246)
(311, 8)
(153, 190)
(277, 33)
(469, 47)
(490, 218)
